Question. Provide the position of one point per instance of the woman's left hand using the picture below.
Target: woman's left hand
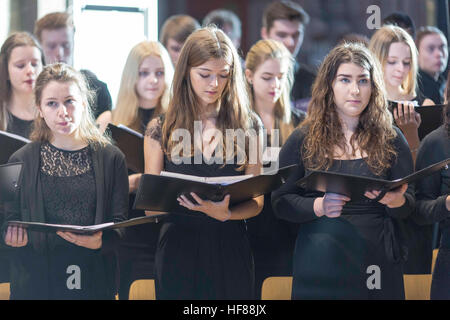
(406, 117)
(392, 199)
(217, 210)
(93, 241)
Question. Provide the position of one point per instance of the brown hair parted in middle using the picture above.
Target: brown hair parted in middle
(63, 73)
(17, 39)
(233, 106)
(374, 134)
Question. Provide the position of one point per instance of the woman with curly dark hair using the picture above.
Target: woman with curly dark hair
(347, 249)
(433, 200)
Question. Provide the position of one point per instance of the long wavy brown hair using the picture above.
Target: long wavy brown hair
(184, 108)
(374, 134)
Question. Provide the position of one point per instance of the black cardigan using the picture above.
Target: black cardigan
(111, 180)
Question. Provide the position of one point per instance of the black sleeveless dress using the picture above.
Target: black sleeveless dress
(199, 257)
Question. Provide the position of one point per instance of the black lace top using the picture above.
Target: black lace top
(68, 185)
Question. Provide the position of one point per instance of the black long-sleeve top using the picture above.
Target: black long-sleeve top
(295, 204)
(111, 186)
(431, 88)
(432, 191)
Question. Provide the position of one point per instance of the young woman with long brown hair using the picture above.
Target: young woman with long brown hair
(203, 250)
(348, 129)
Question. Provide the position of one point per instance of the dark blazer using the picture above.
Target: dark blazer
(111, 180)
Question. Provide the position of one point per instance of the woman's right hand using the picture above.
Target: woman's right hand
(16, 237)
(330, 205)
(217, 210)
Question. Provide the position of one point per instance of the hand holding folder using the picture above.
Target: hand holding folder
(160, 192)
(431, 116)
(355, 186)
(86, 230)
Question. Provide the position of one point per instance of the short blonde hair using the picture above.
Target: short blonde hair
(381, 42)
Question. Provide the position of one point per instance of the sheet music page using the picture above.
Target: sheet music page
(121, 126)
(182, 176)
(226, 180)
(15, 136)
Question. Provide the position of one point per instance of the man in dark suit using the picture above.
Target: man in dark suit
(55, 33)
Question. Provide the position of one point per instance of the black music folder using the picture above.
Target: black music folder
(86, 230)
(355, 186)
(160, 192)
(432, 117)
(9, 178)
(10, 143)
(131, 143)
